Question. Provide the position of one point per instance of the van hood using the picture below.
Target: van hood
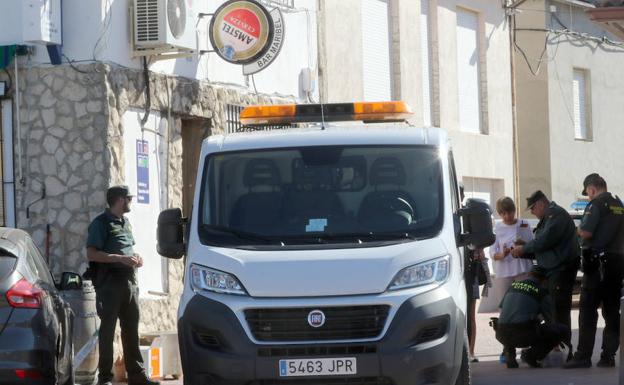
(313, 273)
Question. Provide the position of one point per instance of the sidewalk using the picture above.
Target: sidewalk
(488, 371)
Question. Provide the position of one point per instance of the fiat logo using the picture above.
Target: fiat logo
(316, 318)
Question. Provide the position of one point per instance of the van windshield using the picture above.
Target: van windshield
(321, 194)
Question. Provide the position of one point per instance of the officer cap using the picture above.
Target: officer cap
(121, 191)
(538, 272)
(534, 198)
(594, 180)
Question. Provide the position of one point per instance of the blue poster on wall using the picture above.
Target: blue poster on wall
(142, 153)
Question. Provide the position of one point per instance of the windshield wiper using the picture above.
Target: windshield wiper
(367, 237)
(237, 233)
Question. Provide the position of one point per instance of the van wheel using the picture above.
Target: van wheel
(463, 378)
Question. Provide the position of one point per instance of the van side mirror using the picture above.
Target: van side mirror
(476, 217)
(70, 281)
(170, 234)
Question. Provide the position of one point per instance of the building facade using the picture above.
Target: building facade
(100, 118)
(567, 98)
(449, 59)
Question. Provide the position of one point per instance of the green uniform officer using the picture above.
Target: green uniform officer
(113, 265)
(524, 306)
(602, 232)
(555, 248)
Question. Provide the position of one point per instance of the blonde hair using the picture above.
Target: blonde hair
(505, 205)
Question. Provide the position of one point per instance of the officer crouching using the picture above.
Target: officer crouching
(519, 324)
(602, 234)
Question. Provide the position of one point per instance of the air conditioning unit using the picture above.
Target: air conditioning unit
(165, 25)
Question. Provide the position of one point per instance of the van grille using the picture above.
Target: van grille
(146, 13)
(341, 323)
(316, 350)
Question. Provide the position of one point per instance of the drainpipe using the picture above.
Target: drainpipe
(514, 119)
(8, 179)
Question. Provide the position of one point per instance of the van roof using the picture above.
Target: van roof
(332, 135)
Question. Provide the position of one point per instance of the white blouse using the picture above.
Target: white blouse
(506, 235)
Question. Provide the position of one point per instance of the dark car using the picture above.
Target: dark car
(35, 323)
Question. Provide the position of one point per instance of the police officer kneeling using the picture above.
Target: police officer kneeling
(519, 324)
(602, 234)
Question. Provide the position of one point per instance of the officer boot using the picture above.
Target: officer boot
(529, 357)
(578, 361)
(510, 359)
(606, 361)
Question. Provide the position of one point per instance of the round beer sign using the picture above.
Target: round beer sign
(241, 31)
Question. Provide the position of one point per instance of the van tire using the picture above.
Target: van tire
(463, 378)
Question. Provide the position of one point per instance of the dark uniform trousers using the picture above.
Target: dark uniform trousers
(560, 286)
(541, 338)
(595, 292)
(118, 297)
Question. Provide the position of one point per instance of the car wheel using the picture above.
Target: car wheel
(463, 378)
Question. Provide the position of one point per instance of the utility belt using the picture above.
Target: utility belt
(102, 273)
(599, 261)
(512, 327)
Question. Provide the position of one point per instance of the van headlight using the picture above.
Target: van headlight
(435, 271)
(203, 278)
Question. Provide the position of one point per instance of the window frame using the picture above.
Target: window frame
(585, 108)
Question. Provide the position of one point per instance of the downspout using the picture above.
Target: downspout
(320, 52)
(8, 173)
(18, 123)
(514, 119)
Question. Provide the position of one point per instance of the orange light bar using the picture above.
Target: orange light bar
(332, 112)
(281, 113)
(379, 111)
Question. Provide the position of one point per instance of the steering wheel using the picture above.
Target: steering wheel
(400, 204)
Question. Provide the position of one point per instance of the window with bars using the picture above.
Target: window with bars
(284, 5)
(233, 123)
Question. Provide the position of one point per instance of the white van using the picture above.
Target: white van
(325, 255)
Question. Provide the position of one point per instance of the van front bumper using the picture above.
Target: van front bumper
(423, 345)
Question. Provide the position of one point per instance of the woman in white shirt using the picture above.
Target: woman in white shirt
(509, 232)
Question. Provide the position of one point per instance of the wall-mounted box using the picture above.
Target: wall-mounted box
(30, 22)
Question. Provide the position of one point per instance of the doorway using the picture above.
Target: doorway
(194, 131)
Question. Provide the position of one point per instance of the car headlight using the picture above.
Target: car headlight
(425, 273)
(203, 278)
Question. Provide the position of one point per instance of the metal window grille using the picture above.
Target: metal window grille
(284, 5)
(233, 123)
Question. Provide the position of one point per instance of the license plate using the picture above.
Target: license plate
(318, 367)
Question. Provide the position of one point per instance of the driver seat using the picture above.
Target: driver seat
(388, 207)
(261, 206)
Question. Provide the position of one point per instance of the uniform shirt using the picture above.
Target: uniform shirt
(113, 235)
(524, 302)
(506, 235)
(555, 244)
(604, 218)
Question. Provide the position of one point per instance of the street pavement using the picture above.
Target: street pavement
(488, 371)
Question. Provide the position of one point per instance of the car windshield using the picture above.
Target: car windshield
(321, 194)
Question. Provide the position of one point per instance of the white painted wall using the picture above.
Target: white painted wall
(144, 216)
(100, 30)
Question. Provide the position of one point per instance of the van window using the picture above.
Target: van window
(321, 194)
